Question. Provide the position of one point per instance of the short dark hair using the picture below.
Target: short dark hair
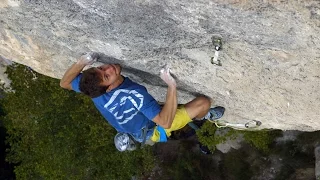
(90, 83)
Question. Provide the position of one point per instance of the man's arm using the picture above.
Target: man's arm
(166, 115)
(75, 70)
(70, 74)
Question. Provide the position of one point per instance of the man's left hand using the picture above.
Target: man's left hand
(88, 58)
(165, 75)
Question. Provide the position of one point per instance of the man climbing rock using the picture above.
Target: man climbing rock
(128, 106)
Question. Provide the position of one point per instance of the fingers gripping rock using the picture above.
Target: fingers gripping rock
(165, 75)
(94, 55)
(89, 58)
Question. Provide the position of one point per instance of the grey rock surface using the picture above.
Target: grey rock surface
(270, 58)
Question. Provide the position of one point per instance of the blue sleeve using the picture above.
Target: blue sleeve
(150, 107)
(75, 83)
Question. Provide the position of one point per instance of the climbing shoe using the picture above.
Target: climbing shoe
(215, 113)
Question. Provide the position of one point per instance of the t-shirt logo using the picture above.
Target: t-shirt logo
(124, 104)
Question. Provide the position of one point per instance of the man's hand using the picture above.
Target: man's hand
(88, 58)
(76, 68)
(166, 115)
(165, 75)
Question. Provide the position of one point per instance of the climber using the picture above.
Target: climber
(128, 107)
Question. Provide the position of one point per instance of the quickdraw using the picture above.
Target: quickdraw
(252, 124)
(217, 43)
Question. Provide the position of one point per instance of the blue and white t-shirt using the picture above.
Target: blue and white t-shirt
(128, 108)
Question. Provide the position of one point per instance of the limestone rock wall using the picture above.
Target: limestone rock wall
(270, 59)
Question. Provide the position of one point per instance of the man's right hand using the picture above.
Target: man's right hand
(76, 68)
(88, 58)
(165, 75)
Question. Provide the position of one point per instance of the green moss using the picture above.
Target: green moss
(207, 135)
(259, 139)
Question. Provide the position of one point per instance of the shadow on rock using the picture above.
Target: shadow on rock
(146, 77)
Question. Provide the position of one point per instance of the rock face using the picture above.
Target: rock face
(270, 58)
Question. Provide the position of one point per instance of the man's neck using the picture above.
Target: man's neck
(116, 84)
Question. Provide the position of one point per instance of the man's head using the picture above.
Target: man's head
(96, 81)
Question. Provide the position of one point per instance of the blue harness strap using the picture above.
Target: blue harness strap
(163, 135)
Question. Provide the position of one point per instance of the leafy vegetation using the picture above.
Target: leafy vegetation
(296, 154)
(235, 167)
(57, 134)
(186, 163)
(208, 137)
(259, 139)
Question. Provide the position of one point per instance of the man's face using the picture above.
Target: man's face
(109, 73)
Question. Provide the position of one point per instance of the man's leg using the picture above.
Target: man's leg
(199, 108)
(195, 109)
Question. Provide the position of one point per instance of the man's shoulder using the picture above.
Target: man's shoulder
(131, 84)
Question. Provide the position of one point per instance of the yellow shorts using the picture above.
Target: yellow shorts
(180, 120)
